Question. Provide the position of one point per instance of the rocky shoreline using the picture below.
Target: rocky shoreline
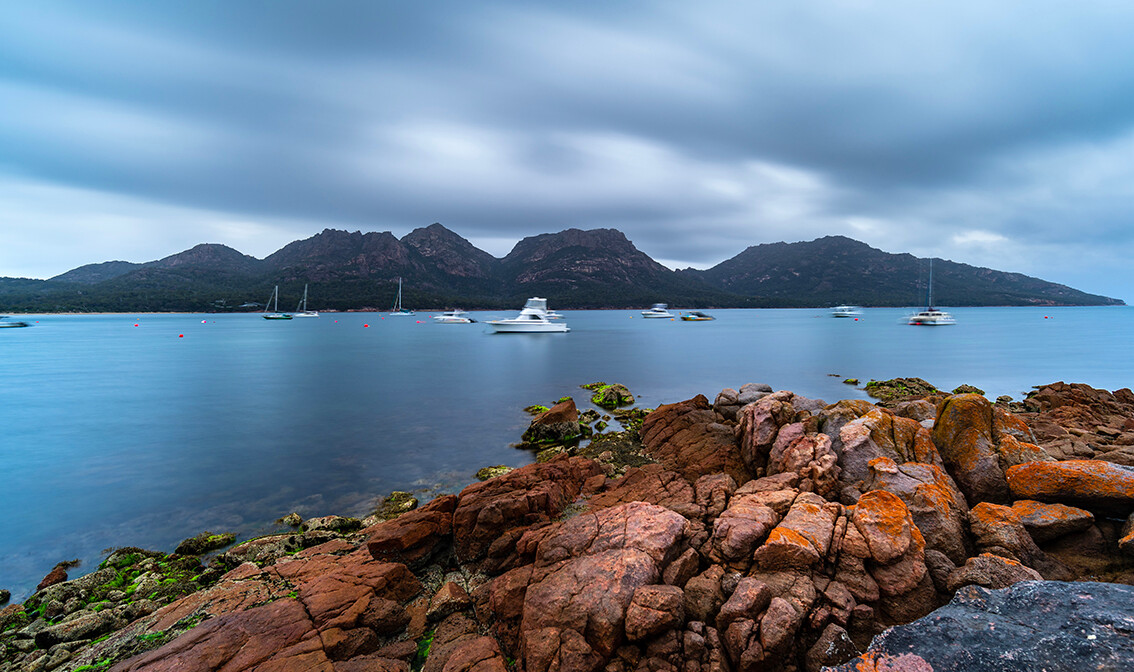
(760, 531)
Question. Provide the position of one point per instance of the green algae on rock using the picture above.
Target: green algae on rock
(609, 395)
(485, 473)
(395, 504)
(899, 388)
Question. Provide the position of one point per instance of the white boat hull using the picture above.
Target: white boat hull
(932, 319)
(526, 327)
(648, 315)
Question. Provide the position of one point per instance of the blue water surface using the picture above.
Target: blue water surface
(143, 430)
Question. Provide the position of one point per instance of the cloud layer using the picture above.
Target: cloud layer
(994, 135)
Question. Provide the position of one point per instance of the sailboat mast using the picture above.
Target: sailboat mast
(930, 298)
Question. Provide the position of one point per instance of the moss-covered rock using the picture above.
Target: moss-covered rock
(395, 504)
(631, 419)
(900, 388)
(851, 381)
(549, 453)
(968, 389)
(535, 409)
(485, 473)
(292, 519)
(612, 396)
(205, 542)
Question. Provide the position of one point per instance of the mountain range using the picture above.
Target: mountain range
(599, 268)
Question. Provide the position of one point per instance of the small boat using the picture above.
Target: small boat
(531, 320)
(453, 317)
(696, 316)
(275, 303)
(657, 310)
(5, 324)
(398, 309)
(931, 317)
(846, 311)
(301, 310)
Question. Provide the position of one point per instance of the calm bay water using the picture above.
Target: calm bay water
(146, 429)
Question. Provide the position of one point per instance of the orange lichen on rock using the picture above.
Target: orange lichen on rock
(873, 661)
(1092, 482)
(884, 521)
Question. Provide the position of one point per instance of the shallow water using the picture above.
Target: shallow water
(115, 434)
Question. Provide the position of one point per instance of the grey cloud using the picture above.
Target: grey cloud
(697, 129)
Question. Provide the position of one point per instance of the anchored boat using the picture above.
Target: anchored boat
(531, 320)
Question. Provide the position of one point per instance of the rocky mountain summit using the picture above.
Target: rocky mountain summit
(761, 531)
(574, 268)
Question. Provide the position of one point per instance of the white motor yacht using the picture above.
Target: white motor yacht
(531, 320)
(846, 311)
(453, 317)
(658, 310)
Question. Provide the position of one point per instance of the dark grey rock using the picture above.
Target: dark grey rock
(1033, 625)
(750, 392)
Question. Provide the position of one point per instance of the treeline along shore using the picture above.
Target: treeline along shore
(760, 531)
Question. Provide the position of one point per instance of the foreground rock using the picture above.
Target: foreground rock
(765, 532)
(1035, 625)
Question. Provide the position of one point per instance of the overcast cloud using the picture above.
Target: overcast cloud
(995, 134)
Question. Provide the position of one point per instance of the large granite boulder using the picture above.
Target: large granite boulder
(937, 506)
(686, 437)
(979, 443)
(585, 577)
(416, 537)
(654, 484)
(536, 493)
(1051, 521)
(1033, 625)
(1091, 484)
(757, 426)
(807, 454)
(999, 530)
(881, 434)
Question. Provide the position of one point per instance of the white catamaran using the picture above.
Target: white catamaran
(931, 317)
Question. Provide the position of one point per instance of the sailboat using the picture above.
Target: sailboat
(398, 310)
(301, 310)
(931, 317)
(275, 303)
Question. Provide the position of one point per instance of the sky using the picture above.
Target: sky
(994, 134)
